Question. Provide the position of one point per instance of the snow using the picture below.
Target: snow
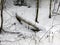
(27, 36)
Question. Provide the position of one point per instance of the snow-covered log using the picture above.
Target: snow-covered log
(33, 24)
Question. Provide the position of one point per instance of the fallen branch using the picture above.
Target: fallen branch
(9, 32)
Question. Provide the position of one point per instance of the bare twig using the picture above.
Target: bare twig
(49, 29)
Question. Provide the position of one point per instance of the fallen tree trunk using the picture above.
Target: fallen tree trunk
(30, 23)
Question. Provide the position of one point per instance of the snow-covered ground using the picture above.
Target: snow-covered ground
(27, 36)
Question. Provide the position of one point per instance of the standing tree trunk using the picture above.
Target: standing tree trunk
(50, 9)
(55, 2)
(58, 7)
(36, 19)
(1, 15)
